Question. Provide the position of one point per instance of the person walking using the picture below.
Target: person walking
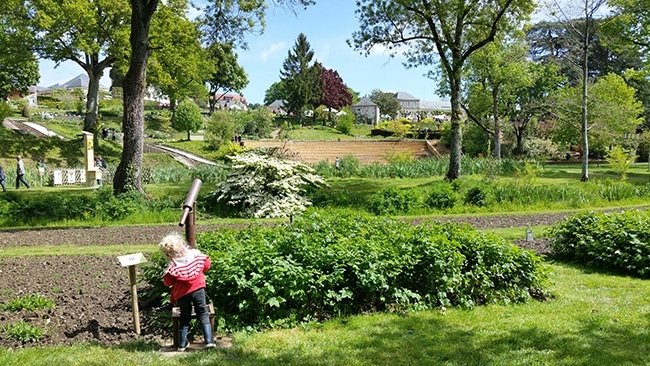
(3, 177)
(185, 275)
(20, 172)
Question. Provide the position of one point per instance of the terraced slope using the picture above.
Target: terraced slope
(365, 151)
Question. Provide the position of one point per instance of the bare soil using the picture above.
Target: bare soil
(92, 294)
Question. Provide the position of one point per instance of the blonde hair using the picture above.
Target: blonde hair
(173, 246)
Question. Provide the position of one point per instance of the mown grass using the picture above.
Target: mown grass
(320, 133)
(594, 319)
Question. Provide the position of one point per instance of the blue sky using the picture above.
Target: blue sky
(327, 25)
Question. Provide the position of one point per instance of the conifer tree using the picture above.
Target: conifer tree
(301, 77)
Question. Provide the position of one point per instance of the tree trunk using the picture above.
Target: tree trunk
(585, 129)
(95, 70)
(128, 176)
(497, 127)
(456, 128)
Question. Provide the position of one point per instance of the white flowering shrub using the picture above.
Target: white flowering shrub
(267, 185)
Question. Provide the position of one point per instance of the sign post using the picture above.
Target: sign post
(131, 260)
(92, 172)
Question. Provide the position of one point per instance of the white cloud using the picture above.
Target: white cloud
(272, 50)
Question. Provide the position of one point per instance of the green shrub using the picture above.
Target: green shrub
(611, 241)
(339, 263)
(24, 332)
(345, 123)
(393, 201)
(478, 196)
(442, 196)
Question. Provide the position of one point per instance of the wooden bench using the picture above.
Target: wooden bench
(176, 315)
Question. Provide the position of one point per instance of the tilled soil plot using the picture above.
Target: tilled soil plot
(92, 293)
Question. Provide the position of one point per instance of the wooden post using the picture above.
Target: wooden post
(134, 299)
(131, 260)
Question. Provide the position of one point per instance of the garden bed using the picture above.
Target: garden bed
(91, 293)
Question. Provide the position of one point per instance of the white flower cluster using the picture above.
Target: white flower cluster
(267, 186)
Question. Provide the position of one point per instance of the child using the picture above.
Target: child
(185, 274)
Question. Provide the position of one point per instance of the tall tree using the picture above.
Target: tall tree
(615, 113)
(447, 32)
(178, 64)
(300, 77)
(582, 35)
(558, 42)
(222, 20)
(335, 94)
(90, 33)
(497, 71)
(387, 102)
(629, 28)
(18, 65)
(228, 75)
(532, 102)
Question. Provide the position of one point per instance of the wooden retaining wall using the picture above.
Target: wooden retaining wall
(365, 151)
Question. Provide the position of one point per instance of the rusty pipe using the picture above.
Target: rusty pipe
(190, 200)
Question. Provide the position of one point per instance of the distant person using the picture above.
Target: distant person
(337, 163)
(185, 274)
(20, 172)
(41, 166)
(2, 179)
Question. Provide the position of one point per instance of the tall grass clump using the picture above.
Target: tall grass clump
(398, 167)
(618, 241)
(339, 263)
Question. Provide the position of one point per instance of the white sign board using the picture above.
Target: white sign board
(131, 259)
(71, 177)
(58, 179)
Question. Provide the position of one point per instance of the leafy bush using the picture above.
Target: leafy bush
(341, 263)
(393, 201)
(345, 122)
(442, 196)
(266, 185)
(612, 241)
(620, 161)
(220, 129)
(99, 205)
(478, 196)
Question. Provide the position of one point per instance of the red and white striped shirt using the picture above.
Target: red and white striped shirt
(186, 274)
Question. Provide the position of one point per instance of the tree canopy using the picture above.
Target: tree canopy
(18, 65)
(437, 34)
(387, 102)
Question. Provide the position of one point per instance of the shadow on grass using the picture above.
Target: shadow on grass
(425, 341)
